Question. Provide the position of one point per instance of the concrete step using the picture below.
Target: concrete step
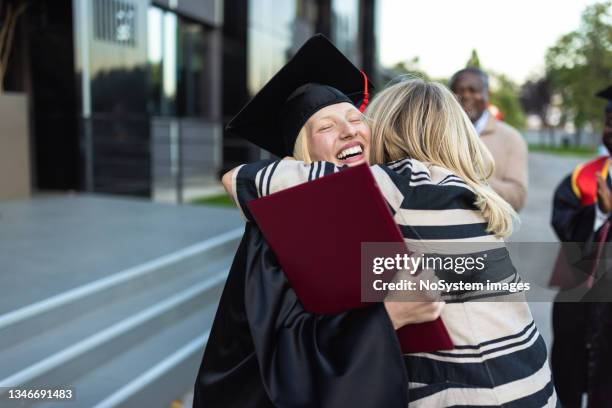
(32, 350)
(34, 319)
(103, 375)
(145, 326)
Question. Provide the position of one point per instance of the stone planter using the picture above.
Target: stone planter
(14, 146)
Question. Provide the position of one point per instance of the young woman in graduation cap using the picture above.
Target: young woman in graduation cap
(435, 181)
(264, 348)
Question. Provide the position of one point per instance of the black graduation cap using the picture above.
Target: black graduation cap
(606, 94)
(317, 76)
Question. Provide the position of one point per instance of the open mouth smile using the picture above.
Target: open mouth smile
(351, 153)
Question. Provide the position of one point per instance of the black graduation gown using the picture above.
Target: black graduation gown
(571, 221)
(582, 348)
(264, 350)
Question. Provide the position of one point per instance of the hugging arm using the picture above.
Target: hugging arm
(305, 359)
(258, 179)
(265, 350)
(254, 180)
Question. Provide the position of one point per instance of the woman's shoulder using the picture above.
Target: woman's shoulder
(422, 173)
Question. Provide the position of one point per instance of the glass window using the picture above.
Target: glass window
(345, 28)
(276, 31)
(266, 55)
(272, 16)
(181, 63)
(169, 65)
(195, 69)
(161, 50)
(155, 59)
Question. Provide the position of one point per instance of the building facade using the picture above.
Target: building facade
(131, 97)
(261, 35)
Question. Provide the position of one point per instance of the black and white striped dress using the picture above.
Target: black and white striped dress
(500, 359)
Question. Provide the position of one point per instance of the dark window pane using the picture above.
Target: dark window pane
(195, 70)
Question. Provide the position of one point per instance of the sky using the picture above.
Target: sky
(511, 37)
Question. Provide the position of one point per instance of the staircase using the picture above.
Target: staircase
(131, 339)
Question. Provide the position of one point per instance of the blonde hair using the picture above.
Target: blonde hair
(423, 120)
(300, 149)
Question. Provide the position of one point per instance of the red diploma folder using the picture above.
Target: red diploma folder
(316, 230)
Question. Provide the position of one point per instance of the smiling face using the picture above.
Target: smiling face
(472, 94)
(339, 134)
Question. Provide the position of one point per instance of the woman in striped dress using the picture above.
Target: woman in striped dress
(435, 183)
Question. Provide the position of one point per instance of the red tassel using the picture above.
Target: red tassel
(366, 94)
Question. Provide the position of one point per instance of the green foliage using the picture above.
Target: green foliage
(505, 95)
(474, 61)
(564, 151)
(580, 63)
(536, 98)
(222, 200)
(410, 67)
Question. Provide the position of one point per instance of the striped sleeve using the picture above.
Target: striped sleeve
(262, 178)
(246, 184)
(290, 173)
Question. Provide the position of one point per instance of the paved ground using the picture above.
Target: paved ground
(57, 242)
(545, 173)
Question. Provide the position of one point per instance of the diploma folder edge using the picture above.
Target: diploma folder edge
(274, 212)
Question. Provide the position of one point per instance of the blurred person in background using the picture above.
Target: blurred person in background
(507, 146)
(582, 346)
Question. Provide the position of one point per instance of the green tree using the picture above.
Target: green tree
(474, 61)
(410, 67)
(505, 95)
(579, 64)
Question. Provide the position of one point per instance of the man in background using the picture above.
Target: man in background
(509, 150)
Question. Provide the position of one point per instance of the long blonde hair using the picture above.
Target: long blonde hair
(423, 120)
